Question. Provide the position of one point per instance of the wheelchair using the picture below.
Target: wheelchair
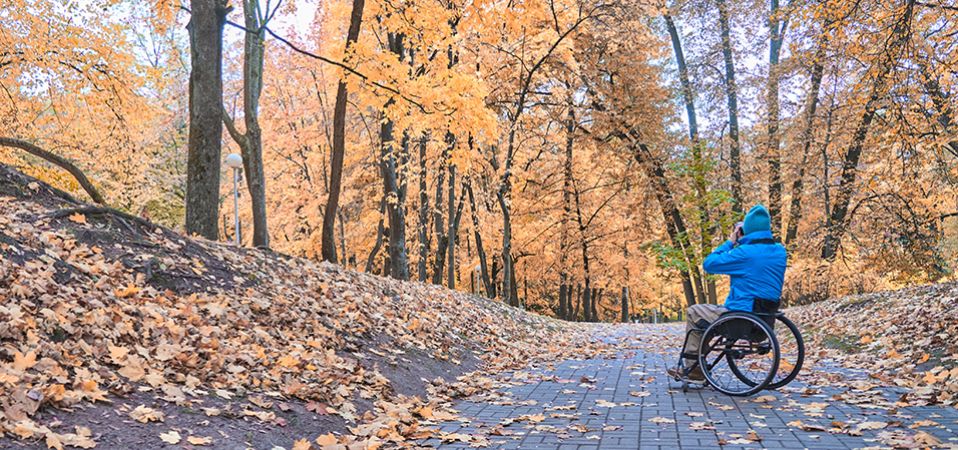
(742, 353)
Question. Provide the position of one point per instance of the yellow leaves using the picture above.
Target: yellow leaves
(144, 414)
(171, 437)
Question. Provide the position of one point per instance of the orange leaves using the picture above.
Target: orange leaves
(23, 362)
(249, 326)
(144, 414)
(288, 361)
(77, 218)
(128, 291)
(327, 440)
(118, 354)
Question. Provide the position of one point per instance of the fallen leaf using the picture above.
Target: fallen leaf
(170, 437)
(327, 439)
(23, 362)
(144, 414)
(199, 440)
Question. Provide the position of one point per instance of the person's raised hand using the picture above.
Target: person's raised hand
(736, 233)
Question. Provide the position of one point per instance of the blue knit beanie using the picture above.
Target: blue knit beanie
(757, 219)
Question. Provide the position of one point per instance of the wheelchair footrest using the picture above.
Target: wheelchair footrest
(689, 356)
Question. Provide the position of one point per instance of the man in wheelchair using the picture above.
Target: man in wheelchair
(755, 264)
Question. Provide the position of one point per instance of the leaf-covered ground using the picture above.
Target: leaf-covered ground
(907, 338)
(120, 334)
(119, 322)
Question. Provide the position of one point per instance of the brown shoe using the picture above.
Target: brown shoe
(694, 375)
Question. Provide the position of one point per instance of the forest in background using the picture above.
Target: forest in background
(561, 155)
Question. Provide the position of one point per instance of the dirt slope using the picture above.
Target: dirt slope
(101, 313)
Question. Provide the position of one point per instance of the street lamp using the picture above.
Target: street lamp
(236, 163)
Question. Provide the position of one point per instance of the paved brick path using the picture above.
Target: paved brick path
(626, 402)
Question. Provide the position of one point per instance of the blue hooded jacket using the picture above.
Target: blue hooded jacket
(755, 270)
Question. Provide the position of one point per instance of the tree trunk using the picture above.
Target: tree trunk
(587, 301)
(206, 111)
(625, 304)
(342, 239)
(395, 202)
(439, 259)
(688, 95)
(480, 250)
(424, 243)
(731, 94)
(563, 301)
(776, 29)
(495, 274)
(672, 216)
(589, 312)
(578, 302)
(451, 229)
(808, 132)
(514, 285)
(698, 163)
(380, 232)
(339, 141)
(565, 238)
(596, 295)
(846, 188)
(251, 141)
(398, 267)
(507, 266)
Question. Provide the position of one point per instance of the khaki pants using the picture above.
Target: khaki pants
(694, 314)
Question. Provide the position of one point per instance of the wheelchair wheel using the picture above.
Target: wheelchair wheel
(792, 348)
(792, 351)
(739, 354)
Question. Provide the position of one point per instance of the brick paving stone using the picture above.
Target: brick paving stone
(663, 419)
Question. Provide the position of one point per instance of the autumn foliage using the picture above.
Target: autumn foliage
(560, 155)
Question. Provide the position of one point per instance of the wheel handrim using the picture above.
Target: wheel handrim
(792, 351)
(735, 365)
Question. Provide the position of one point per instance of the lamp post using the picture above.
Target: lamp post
(235, 162)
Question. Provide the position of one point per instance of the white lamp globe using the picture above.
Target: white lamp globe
(234, 160)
